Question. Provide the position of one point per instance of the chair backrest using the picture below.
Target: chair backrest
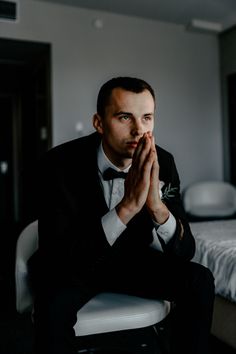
(26, 245)
(210, 199)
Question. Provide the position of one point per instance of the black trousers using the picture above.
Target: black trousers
(189, 285)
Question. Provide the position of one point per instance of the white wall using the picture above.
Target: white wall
(182, 67)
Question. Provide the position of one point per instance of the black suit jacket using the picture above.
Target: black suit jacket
(72, 243)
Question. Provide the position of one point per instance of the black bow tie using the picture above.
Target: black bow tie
(110, 173)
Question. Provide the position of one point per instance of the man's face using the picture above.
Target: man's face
(127, 117)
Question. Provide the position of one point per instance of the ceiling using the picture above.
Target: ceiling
(219, 12)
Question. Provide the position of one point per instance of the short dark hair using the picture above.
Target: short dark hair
(127, 83)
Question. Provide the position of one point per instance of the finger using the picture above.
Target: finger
(139, 147)
(141, 151)
(136, 156)
(144, 155)
(147, 164)
(154, 148)
(155, 170)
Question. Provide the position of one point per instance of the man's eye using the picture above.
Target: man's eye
(124, 117)
(147, 118)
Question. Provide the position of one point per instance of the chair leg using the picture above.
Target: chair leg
(163, 334)
(162, 339)
(148, 340)
(122, 342)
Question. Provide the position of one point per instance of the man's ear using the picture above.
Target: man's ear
(97, 123)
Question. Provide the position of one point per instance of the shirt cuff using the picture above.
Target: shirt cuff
(165, 231)
(112, 226)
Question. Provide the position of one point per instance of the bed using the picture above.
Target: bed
(216, 249)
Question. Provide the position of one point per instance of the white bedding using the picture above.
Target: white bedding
(216, 249)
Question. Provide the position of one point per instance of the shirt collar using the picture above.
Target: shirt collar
(104, 162)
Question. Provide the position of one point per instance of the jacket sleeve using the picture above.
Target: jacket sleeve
(71, 237)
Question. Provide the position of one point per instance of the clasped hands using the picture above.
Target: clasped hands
(142, 184)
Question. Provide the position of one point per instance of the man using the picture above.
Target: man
(126, 233)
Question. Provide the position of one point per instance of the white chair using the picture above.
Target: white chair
(210, 200)
(105, 313)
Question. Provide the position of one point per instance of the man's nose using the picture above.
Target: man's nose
(137, 128)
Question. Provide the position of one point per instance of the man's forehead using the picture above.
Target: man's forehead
(124, 101)
(122, 96)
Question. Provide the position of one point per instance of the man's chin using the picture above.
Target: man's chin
(129, 155)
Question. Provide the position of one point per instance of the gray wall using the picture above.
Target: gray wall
(183, 68)
(228, 66)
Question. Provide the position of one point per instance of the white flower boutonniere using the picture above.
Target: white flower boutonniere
(169, 192)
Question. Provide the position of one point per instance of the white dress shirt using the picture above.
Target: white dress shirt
(113, 192)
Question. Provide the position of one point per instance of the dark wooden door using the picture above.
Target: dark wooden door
(7, 209)
(25, 134)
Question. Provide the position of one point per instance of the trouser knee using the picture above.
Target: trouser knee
(202, 285)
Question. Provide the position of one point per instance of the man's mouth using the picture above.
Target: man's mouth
(132, 144)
